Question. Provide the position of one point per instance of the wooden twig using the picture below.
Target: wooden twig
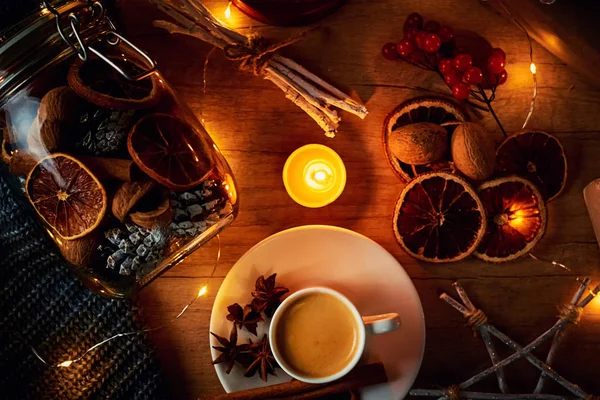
(487, 396)
(558, 337)
(306, 90)
(483, 325)
(486, 337)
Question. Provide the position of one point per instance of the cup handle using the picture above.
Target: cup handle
(382, 323)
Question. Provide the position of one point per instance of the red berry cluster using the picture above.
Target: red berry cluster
(431, 46)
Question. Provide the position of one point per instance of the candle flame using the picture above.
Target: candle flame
(228, 11)
(65, 364)
(320, 176)
(533, 68)
(202, 291)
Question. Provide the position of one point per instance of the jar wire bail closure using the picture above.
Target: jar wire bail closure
(74, 41)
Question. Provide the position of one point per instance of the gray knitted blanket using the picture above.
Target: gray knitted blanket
(43, 305)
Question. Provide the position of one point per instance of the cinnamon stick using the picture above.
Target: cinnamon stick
(362, 376)
(112, 168)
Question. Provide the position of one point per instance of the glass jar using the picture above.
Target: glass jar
(120, 174)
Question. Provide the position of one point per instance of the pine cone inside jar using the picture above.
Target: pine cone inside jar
(134, 248)
(104, 132)
(196, 210)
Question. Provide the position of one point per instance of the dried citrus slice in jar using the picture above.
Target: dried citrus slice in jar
(439, 218)
(516, 218)
(423, 109)
(66, 195)
(100, 84)
(537, 156)
(170, 151)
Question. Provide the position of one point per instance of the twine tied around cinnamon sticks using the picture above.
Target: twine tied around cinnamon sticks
(258, 51)
(318, 98)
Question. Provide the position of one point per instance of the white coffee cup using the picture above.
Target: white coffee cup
(371, 325)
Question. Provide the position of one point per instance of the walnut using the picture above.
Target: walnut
(61, 104)
(159, 216)
(127, 195)
(21, 163)
(59, 111)
(44, 136)
(81, 251)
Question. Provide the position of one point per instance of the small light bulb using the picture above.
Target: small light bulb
(532, 68)
(228, 11)
(65, 363)
(202, 291)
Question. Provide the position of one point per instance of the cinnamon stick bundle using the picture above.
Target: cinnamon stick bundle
(312, 94)
(360, 377)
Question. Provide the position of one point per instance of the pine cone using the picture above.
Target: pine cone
(104, 132)
(196, 210)
(130, 249)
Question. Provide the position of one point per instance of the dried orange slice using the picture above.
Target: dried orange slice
(516, 218)
(170, 151)
(439, 218)
(68, 197)
(536, 156)
(423, 109)
(100, 84)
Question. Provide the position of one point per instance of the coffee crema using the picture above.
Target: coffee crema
(317, 335)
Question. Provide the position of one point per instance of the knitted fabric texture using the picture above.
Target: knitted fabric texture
(43, 305)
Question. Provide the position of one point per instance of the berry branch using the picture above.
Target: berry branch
(432, 47)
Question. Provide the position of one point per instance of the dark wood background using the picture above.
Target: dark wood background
(257, 128)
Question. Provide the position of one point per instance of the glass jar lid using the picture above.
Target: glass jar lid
(57, 31)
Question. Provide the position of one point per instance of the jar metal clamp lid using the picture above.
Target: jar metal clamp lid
(34, 43)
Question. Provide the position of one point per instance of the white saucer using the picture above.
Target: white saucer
(319, 255)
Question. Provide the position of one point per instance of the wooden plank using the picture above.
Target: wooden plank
(553, 27)
(256, 128)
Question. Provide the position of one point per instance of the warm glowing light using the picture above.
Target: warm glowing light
(314, 175)
(532, 68)
(320, 176)
(65, 364)
(228, 11)
(202, 291)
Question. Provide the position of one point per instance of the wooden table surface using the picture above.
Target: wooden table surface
(257, 128)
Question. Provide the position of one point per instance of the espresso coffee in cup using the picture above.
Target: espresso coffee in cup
(317, 335)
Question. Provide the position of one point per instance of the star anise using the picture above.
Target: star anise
(267, 297)
(247, 316)
(231, 352)
(264, 362)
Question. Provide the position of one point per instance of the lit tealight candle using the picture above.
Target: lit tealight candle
(314, 175)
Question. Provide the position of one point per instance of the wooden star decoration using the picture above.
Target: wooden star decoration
(477, 320)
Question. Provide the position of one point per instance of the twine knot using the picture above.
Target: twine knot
(570, 313)
(476, 319)
(256, 53)
(452, 392)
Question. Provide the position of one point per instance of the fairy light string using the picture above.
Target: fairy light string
(552, 262)
(203, 291)
(532, 66)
